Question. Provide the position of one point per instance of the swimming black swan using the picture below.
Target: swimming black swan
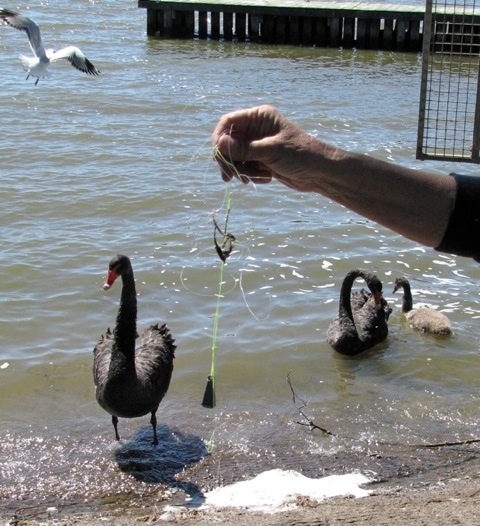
(131, 382)
(361, 322)
(423, 319)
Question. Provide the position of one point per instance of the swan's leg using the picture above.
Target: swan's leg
(36, 82)
(115, 422)
(153, 421)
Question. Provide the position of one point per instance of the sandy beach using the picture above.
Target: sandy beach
(456, 502)
(437, 496)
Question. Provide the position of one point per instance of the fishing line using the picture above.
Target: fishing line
(224, 249)
(257, 318)
(209, 399)
(207, 292)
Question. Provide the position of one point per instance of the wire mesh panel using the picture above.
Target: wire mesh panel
(449, 116)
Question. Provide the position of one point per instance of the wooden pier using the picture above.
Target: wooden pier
(320, 23)
(309, 23)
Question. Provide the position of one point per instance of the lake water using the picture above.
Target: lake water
(122, 163)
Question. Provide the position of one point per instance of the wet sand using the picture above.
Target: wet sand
(454, 503)
(440, 487)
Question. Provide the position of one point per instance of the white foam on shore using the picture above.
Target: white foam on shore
(278, 490)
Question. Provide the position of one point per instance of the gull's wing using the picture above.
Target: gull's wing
(18, 21)
(76, 58)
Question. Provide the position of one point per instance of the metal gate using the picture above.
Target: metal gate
(449, 114)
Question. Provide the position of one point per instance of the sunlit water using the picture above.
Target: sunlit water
(122, 163)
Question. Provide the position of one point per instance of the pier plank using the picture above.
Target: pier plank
(312, 8)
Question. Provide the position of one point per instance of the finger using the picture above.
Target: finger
(226, 170)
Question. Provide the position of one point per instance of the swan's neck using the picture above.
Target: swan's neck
(126, 327)
(407, 301)
(345, 296)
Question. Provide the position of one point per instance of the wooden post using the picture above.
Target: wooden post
(388, 34)
(415, 39)
(348, 32)
(254, 27)
(153, 26)
(188, 24)
(202, 25)
(215, 25)
(401, 35)
(228, 26)
(335, 31)
(183, 24)
(177, 22)
(373, 29)
(167, 29)
(281, 30)
(361, 41)
(268, 28)
(306, 30)
(241, 26)
(320, 31)
(294, 31)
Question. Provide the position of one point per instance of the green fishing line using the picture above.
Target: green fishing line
(209, 400)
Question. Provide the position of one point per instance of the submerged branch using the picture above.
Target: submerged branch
(446, 444)
(301, 404)
(308, 421)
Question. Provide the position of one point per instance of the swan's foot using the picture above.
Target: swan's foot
(153, 421)
(115, 423)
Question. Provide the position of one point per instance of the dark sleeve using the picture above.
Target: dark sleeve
(462, 236)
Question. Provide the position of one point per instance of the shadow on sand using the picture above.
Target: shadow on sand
(162, 463)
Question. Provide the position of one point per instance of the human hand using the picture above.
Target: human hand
(258, 144)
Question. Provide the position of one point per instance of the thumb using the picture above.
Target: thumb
(232, 149)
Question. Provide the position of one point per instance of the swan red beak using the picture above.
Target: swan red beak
(112, 275)
(377, 296)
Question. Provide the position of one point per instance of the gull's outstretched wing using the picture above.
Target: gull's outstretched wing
(18, 21)
(76, 58)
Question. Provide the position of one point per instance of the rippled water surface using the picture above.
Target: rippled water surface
(121, 163)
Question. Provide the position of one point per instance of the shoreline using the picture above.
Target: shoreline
(441, 497)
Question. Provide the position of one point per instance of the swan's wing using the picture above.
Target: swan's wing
(154, 357)
(359, 298)
(18, 21)
(371, 323)
(76, 58)
(342, 335)
(102, 354)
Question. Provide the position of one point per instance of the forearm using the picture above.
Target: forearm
(414, 203)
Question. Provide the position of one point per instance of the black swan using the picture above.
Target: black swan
(423, 319)
(361, 322)
(131, 382)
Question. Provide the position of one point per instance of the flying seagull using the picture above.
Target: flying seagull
(37, 66)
